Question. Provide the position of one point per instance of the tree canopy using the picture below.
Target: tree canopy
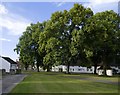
(69, 36)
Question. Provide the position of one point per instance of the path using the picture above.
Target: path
(10, 81)
(94, 80)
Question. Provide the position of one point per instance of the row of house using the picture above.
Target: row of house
(7, 65)
(74, 69)
(80, 69)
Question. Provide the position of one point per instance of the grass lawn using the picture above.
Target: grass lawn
(48, 82)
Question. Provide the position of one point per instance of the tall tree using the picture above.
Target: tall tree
(36, 30)
(24, 49)
(101, 33)
(78, 18)
(28, 44)
(60, 26)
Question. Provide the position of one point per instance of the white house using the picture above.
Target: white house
(4, 64)
(112, 70)
(73, 69)
(7, 64)
(80, 69)
(62, 68)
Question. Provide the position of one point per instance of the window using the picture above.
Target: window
(79, 69)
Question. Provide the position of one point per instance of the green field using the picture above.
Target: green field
(48, 82)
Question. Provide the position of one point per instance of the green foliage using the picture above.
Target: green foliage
(70, 36)
(28, 44)
(101, 32)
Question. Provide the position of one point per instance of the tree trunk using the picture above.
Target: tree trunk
(104, 68)
(48, 68)
(26, 67)
(105, 65)
(38, 67)
(38, 61)
(68, 68)
(95, 68)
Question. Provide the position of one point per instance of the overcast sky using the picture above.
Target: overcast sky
(15, 16)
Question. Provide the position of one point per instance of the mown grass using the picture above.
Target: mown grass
(93, 76)
(45, 82)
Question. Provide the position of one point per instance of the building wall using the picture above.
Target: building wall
(73, 69)
(79, 69)
(4, 65)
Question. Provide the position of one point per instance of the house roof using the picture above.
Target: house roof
(9, 60)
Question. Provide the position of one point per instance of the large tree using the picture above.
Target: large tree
(78, 18)
(28, 45)
(101, 32)
(24, 49)
(60, 27)
(49, 46)
(72, 35)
